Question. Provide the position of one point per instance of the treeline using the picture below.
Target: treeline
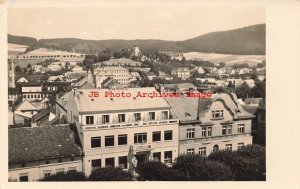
(21, 40)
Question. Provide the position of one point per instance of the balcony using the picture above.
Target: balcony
(129, 124)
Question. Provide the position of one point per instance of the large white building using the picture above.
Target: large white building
(108, 126)
(116, 72)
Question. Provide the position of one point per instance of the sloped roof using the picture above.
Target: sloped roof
(186, 108)
(25, 106)
(104, 104)
(41, 143)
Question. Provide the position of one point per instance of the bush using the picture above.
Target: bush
(109, 174)
(68, 176)
(151, 170)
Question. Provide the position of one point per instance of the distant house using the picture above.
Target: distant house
(39, 152)
(54, 67)
(135, 76)
(56, 78)
(84, 83)
(116, 72)
(207, 80)
(37, 68)
(151, 76)
(250, 82)
(77, 69)
(183, 73)
(200, 70)
(22, 80)
(46, 117)
(74, 76)
(32, 91)
(179, 88)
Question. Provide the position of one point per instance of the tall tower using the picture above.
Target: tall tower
(11, 80)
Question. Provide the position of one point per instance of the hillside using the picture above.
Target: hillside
(248, 40)
(21, 40)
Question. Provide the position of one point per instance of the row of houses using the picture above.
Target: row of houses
(105, 130)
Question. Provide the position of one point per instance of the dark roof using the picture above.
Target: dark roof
(250, 109)
(40, 115)
(41, 143)
(252, 100)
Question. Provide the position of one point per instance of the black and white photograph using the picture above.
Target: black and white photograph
(136, 94)
(149, 94)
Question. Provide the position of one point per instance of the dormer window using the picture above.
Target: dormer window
(217, 114)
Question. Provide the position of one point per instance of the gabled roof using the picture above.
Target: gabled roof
(41, 143)
(186, 108)
(25, 106)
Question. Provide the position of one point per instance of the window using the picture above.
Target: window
(240, 145)
(109, 141)
(168, 135)
(190, 133)
(140, 138)
(229, 129)
(203, 131)
(62, 170)
(121, 118)
(95, 142)
(23, 177)
(228, 147)
(137, 117)
(123, 162)
(96, 163)
(217, 114)
(89, 120)
(105, 119)
(226, 129)
(241, 128)
(157, 156)
(202, 151)
(47, 173)
(164, 115)
(190, 151)
(122, 140)
(156, 136)
(151, 115)
(109, 162)
(209, 131)
(168, 156)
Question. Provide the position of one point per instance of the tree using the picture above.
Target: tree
(248, 163)
(151, 170)
(18, 69)
(68, 176)
(199, 168)
(104, 55)
(243, 91)
(109, 174)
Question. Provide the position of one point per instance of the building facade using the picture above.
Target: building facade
(211, 124)
(116, 72)
(109, 126)
(183, 73)
(31, 160)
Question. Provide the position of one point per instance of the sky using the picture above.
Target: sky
(166, 23)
